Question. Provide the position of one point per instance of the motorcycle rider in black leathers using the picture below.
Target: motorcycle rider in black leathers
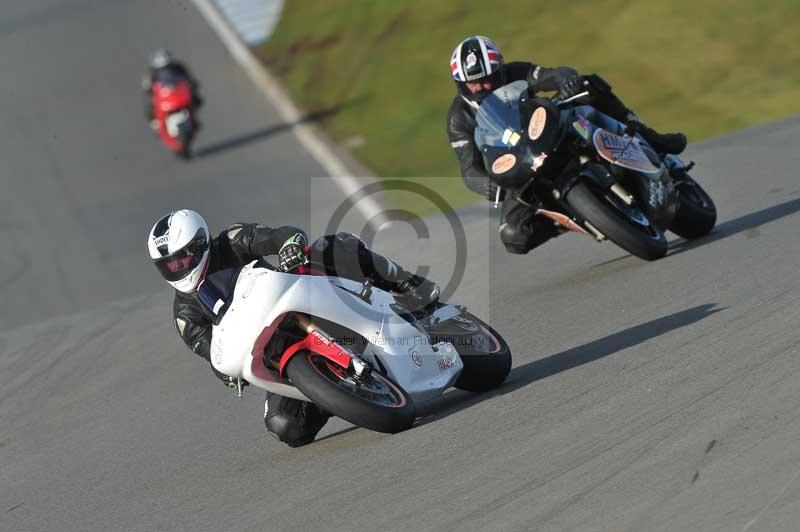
(164, 68)
(184, 254)
(478, 69)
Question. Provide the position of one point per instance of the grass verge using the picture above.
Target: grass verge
(378, 70)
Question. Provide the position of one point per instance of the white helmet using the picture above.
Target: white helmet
(179, 244)
(160, 58)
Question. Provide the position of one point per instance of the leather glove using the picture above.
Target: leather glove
(572, 86)
(293, 253)
(490, 191)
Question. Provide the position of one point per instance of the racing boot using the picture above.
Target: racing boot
(673, 143)
(420, 289)
(390, 277)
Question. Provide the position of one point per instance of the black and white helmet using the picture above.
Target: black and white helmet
(179, 245)
(160, 58)
(475, 59)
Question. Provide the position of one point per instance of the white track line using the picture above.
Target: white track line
(337, 170)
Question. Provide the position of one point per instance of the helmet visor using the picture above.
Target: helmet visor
(182, 262)
(485, 86)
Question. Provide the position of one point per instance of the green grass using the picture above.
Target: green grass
(381, 67)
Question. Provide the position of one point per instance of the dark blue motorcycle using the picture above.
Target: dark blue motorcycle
(587, 173)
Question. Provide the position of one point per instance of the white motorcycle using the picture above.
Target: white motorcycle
(355, 350)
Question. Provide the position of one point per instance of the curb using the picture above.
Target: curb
(312, 139)
(253, 20)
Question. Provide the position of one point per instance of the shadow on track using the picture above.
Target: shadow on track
(256, 136)
(335, 434)
(531, 372)
(740, 224)
(726, 229)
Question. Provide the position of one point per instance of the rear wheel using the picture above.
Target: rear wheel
(623, 224)
(485, 354)
(697, 214)
(373, 401)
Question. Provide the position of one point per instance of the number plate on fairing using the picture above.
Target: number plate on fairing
(447, 357)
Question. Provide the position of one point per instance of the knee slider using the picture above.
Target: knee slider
(514, 238)
(288, 430)
(292, 421)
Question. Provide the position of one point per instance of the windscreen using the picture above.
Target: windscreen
(168, 77)
(216, 293)
(498, 116)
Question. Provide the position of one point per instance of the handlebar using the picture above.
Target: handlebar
(559, 103)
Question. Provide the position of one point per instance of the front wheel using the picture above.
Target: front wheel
(697, 214)
(623, 224)
(374, 401)
(185, 151)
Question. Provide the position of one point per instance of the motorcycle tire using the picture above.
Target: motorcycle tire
(375, 402)
(648, 242)
(697, 214)
(486, 358)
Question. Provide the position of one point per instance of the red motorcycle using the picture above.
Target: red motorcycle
(173, 109)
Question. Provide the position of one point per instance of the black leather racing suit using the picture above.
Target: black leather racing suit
(520, 229)
(235, 247)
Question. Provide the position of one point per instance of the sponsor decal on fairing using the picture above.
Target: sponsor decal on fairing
(582, 126)
(504, 163)
(622, 151)
(445, 363)
(537, 123)
(656, 193)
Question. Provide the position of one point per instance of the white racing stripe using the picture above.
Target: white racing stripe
(308, 137)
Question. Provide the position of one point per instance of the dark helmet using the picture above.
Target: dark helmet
(475, 59)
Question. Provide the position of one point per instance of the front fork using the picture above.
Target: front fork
(559, 219)
(322, 343)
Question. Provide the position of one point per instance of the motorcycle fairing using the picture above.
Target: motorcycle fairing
(512, 122)
(172, 108)
(623, 151)
(658, 198)
(262, 297)
(171, 98)
(562, 220)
